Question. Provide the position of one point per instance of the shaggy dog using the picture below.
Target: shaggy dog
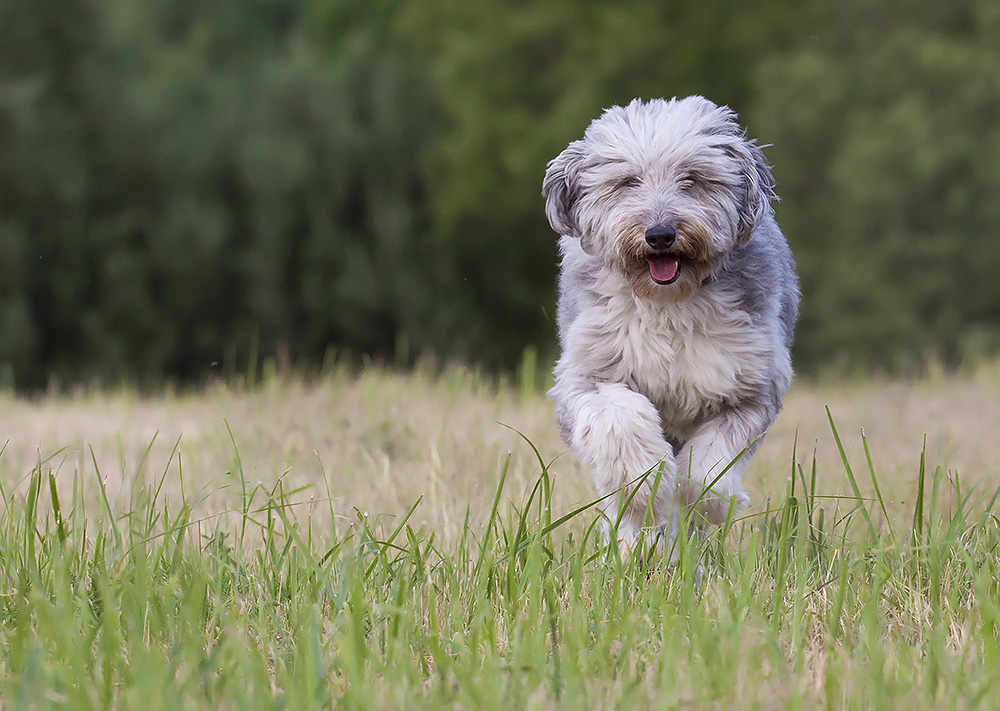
(677, 301)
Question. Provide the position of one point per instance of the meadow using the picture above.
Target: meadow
(383, 540)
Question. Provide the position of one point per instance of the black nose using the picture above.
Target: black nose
(660, 236)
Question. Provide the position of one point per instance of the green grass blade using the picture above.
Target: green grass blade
(874, 478)
(56, 512)
(917, 528)
(850, 476)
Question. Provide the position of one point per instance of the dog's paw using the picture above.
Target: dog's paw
(618, 430)
(716, 505)
(635, 540)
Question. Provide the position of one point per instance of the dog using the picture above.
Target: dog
(677, 302)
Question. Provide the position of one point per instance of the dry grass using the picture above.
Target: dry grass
(378, 441)
(798, 608)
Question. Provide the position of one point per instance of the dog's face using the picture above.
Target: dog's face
(661, 191)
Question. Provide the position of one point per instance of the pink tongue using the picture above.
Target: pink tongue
(663, 267)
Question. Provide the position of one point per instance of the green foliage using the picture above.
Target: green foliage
(804, 605)
(515, 85)
(187, 184)
(886, 154)
(199, 181)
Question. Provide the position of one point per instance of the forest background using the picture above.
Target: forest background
(188, 186)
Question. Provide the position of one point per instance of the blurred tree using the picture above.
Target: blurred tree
(43, 57)
(183, 183)
(517, 83)
(193, 182)
(886, 151)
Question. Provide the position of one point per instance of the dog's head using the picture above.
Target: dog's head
(662, 190)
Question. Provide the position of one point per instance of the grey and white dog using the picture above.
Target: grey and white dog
(677, 301)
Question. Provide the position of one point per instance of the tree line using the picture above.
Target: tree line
(186, 186)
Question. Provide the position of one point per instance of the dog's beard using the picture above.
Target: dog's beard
(671, 275)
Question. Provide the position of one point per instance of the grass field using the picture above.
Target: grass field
(393, 541)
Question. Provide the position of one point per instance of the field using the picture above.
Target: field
(381, 540)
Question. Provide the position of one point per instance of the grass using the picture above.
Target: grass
(381, 542)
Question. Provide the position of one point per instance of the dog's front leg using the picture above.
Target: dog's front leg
(617, 432)
(717, 456)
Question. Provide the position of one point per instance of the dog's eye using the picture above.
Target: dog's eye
(631, 181)
(686, 181)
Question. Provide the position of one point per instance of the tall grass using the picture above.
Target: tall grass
(815, 601)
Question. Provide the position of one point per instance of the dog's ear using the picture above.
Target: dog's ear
(758, 185)
(561, 189)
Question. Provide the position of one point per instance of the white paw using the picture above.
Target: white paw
(618, 430)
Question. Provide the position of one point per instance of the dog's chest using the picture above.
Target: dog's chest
(688, 358)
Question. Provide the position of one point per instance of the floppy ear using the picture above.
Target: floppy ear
(758, 184)
(560, 188)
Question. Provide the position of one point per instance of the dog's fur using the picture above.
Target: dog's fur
(688, 373)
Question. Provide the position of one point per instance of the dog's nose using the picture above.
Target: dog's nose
(660, 236)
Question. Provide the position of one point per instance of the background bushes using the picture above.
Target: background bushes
(186, 184)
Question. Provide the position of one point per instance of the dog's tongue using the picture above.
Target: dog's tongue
(663, 267)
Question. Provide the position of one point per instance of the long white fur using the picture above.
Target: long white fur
(683, 377)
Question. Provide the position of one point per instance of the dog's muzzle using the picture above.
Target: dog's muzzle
(664, 266)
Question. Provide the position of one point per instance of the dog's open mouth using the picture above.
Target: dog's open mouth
(664, 268)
